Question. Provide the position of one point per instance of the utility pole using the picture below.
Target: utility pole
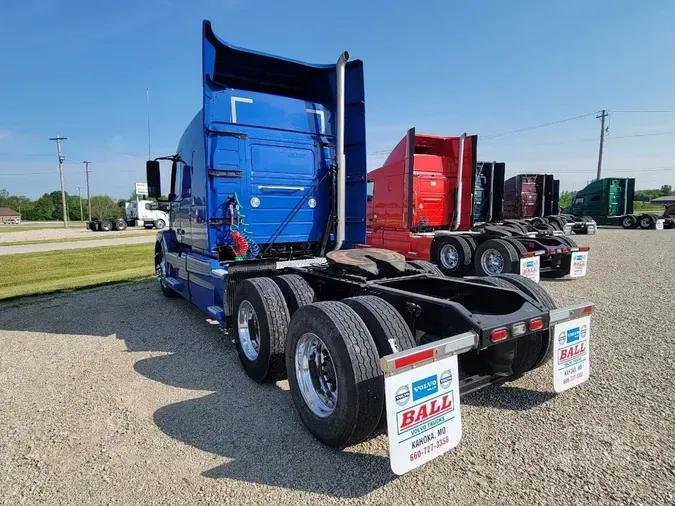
(147, 106)
(602, 116)
(62, 158)
(86, 171)
(79, 192)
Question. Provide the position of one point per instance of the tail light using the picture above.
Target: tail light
(588, 309)
(499, 334)
(584, 248)
(518, 329)
(536, 324)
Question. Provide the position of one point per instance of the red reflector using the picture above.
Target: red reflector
(552, 252)
(588, 309)
(536, 324)
(413, 358)
(499, 335)
(528, 254)
(565, 250)
(584, 248)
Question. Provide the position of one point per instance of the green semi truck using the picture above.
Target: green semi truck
(609, 201)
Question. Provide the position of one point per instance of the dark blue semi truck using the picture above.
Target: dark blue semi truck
(267, 236)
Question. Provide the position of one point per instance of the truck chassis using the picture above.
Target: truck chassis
(326, 324)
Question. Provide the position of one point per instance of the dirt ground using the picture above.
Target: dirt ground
(117, 395)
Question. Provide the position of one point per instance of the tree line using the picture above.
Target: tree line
(49, 206)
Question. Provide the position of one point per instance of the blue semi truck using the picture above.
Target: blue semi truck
(266, 236)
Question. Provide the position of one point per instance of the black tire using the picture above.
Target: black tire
(159, 224)
(534, 349)
(491, 280)
(166, 291)
(427, 267)
(511, 260)
(295, 290)
(271, 313)
(355, 360)
(120, 225)
(387, 327)
(93, 226)
(537, 221)
(555, 226)
(646, 221)
(518, 246)
(472, 244)
(460, 247)
(106, 226)
(522, 229)
(629, 222)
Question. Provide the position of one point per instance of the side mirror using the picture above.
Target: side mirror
(154, 179)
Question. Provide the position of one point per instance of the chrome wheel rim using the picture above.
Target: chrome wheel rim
(646, 222)
(492, 261)
(449, 257)
(316, 375)
(627, 222)
(248, 329)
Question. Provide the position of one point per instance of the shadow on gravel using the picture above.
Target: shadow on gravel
(508, 397)
(255, 427)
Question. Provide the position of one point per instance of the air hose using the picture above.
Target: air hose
(244, 245)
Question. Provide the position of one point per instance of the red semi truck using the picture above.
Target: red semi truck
(420, 204)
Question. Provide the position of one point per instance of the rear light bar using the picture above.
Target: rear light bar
(423, 354)
(414, 358)
(584, 248)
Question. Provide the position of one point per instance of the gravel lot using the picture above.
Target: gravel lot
(51, 234)
(119, 396)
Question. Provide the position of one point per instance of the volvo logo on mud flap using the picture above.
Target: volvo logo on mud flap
(403, 395)
(446, 379)
(562, 338)
(425, 387)
(573, 335)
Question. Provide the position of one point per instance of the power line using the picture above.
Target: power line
(24, 154)
(647, 112)
(534, 127)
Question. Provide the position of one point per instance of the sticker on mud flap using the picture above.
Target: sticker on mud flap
(423, 416)
(529, 267)
(571, 353)
(659, 224)
(578, 264)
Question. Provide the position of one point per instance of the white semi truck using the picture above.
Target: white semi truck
(138, 213)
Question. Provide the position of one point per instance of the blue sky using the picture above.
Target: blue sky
(80, 69)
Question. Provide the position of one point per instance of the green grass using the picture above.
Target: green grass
(40, 273)
(645, 207)
(93, 237)
(7, 229)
